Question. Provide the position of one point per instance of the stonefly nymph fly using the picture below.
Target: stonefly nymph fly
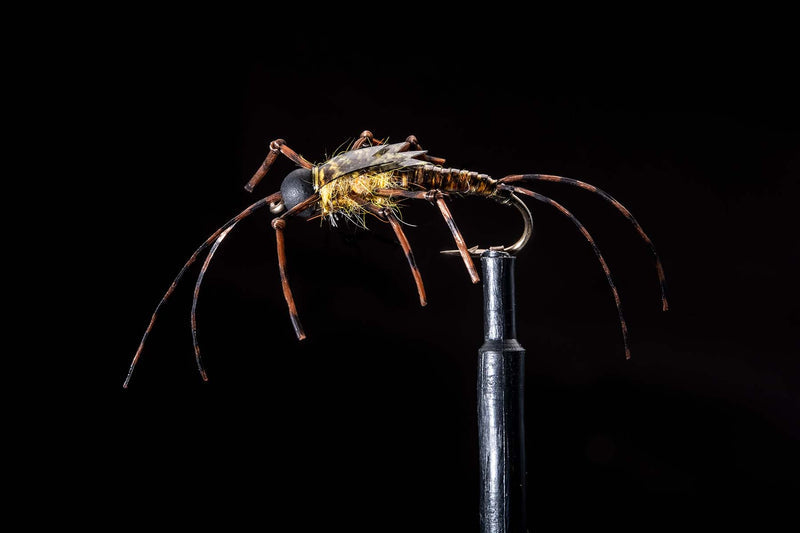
(373, 178)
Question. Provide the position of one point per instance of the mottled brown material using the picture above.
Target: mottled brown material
(387, 216)
(617, 205)
(603, 264)
(275, 147)
(279, 224)
(453, 180)
(460, 244)
(264, 201)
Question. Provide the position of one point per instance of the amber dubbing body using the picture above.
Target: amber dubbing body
(379, 175)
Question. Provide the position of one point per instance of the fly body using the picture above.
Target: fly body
(373, 178)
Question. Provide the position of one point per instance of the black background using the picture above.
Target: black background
(370, 423)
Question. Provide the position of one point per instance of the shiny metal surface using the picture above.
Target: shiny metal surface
(501, 395)
(527, 231)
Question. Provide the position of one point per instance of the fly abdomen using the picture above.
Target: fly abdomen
(450, 180)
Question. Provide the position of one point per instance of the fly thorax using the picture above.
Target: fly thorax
(349, 193)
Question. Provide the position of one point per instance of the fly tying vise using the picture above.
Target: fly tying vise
(373, 178)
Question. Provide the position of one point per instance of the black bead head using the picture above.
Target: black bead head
(297, 186)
